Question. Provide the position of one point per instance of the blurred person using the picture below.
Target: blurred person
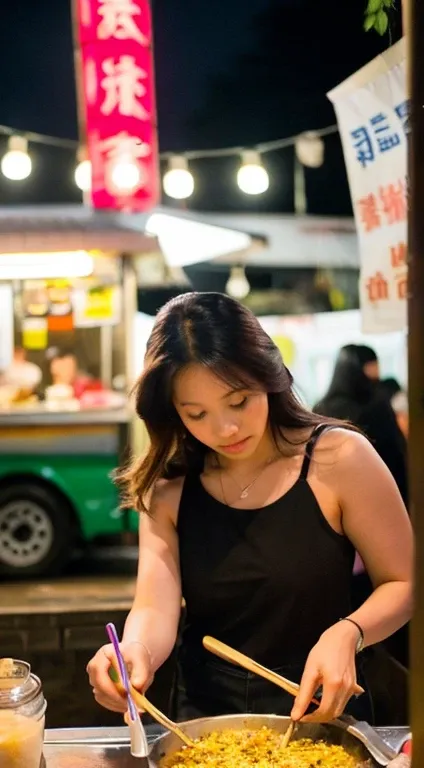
(64, 370)
(251, 507)
(21, 373)
(354, 395)
(398, 398)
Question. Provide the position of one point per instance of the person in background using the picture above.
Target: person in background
(398, 399)
(64, 370)
(21, 373)
(354, 395)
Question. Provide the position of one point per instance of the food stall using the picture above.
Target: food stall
(68, 302)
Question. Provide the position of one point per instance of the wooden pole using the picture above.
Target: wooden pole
(405, 16)
(414, 11)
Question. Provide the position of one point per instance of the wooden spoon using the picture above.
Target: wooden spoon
(235, 657)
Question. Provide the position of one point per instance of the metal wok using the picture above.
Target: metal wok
(358, 738)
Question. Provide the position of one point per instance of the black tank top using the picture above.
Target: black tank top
(266, 581)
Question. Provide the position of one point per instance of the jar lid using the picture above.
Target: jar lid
(17, 685)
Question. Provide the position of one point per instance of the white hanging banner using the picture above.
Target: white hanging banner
(372, 114)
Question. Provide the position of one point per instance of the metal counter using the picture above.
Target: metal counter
(109, 747)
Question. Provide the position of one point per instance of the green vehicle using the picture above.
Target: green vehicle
(59, 498)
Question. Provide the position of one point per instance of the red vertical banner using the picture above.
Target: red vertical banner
(119, 102)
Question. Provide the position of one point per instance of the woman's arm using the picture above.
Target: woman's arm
(374, 518)
(155, 614)
(152, 624)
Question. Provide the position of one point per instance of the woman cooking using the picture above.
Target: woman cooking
(252, 509)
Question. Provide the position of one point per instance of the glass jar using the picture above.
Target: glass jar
(22, 715)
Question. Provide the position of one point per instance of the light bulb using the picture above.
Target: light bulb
(178, 181)
(16, 164)
(126, 175)
(238, 285)
(83, 175)
(310, 150)
(252, 177)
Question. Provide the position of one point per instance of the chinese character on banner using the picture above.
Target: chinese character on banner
(369, 213)
(403, 112)
(398, 255)
(393, 198)
(386, 138)
(119, 102)
(377, 288)
(123, 88)
(119, 20)
(372, 115)
(363, 146)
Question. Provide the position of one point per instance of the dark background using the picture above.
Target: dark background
(229, 72)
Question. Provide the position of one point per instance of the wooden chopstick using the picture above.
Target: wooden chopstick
(144, 705)
(235, 657)
(288, 734)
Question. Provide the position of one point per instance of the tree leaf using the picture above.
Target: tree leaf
(388, 3)
(381, 22)
(374, 6)
(369, 22)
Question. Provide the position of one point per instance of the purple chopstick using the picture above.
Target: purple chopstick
(113, 637)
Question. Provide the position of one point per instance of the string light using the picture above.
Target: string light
(309, 149)
(125, 175)
(252, 177)
(178, 181)
(83, 171)
(238, 285)
(16, 164)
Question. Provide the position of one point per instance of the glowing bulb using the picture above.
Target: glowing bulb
(126, 175)
(238, 285)
(178, 182)
(252, 177)
(16, 164)
(83, 175)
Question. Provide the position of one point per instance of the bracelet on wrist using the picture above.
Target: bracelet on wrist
(361, 639)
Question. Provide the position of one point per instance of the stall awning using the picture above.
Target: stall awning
(38, 229)
(294, 241)
(184, 239)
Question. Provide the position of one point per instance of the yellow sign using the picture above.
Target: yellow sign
(287, 349)
(99, 305)
(34, 333)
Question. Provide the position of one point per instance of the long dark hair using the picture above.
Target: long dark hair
(349, 380)
(221, 334)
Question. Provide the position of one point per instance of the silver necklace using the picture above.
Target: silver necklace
(244, 490)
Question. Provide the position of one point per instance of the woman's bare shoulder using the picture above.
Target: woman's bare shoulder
(343, 447)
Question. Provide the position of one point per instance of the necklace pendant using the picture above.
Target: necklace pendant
(244, 494)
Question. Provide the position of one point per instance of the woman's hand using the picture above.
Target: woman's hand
(330, 664)
(137, 659)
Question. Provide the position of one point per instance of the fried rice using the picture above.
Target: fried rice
(263, 749)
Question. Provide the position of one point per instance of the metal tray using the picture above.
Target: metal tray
(109, 747)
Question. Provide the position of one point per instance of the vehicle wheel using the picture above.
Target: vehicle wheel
(37, 531)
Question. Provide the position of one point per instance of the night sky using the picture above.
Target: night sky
(277, 75)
